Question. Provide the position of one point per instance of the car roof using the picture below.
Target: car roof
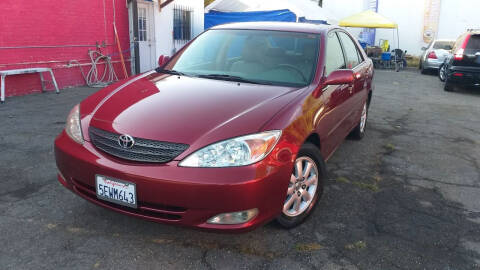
(278, 26)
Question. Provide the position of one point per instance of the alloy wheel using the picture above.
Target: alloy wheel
(302, 187)
(363, 118)
(442, 73)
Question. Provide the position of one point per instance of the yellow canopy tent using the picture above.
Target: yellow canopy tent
(367, 19)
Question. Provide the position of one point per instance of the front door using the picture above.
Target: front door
(146, 37)
(334, 97)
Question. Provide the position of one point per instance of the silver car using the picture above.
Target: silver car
(434, 54)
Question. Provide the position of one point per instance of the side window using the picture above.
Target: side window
(334, 55)
(360, 57)
(351, 51)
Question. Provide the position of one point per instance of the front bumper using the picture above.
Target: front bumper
(170, 194)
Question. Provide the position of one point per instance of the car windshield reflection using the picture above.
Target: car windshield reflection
(253, 56)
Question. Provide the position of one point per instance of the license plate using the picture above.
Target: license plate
(116, 191)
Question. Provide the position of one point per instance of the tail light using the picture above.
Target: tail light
(432, 55)
(459, 53)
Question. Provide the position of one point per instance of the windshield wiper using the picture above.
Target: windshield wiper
(170, 71)
(226, 77)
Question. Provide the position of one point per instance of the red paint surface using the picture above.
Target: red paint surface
(58, 23)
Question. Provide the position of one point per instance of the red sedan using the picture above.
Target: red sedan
(231, 132)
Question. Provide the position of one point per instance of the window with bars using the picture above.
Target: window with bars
(182, 23)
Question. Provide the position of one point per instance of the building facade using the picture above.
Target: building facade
(61, 34)
(163, 31)
(58, 35)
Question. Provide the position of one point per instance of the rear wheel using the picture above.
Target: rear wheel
(448, 86)
(359, 131)
(305, 187)
(442, 73)
(423, 70)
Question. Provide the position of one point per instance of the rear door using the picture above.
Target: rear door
(357, 93)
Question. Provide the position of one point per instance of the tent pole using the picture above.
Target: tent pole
(393, 39)
(398, 39)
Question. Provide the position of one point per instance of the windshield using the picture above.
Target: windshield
(445, 45)
(256, 56)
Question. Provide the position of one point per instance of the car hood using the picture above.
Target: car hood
(184, 109)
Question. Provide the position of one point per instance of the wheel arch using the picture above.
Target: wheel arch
(314, 139)
(369, 98)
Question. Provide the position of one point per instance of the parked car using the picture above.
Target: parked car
(434, 54)
(463, 65)
(231, 132)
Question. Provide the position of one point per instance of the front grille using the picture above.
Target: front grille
(142, 151)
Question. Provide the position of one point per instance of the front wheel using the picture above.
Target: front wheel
(305, 187)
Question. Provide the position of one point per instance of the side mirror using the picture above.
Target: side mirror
(341, 76)
(162, 60)
(424, 48)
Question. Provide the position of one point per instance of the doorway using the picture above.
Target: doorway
(146, 36)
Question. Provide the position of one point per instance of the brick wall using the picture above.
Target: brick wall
(56, 32)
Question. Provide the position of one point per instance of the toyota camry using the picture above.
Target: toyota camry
(231, 132)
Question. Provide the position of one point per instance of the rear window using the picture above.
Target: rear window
(445, 45)
(473, 44)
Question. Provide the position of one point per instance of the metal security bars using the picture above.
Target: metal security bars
(182, 25)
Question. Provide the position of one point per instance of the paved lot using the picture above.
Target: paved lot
(405, 197)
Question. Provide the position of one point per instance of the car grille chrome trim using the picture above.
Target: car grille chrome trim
(143, 150)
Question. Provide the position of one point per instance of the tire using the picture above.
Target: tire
(423, 70)
(359, 131)
(292, 216)
(448, 87)
(442, 73)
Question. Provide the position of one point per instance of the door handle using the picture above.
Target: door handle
(348, 87)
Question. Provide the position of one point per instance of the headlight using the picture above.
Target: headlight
(239, 151)
(72, 127)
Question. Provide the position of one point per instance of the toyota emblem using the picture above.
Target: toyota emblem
(126, 141)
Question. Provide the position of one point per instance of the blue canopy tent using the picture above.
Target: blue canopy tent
(305, 20)
(213, 17)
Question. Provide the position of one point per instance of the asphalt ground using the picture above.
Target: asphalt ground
(404, 197)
